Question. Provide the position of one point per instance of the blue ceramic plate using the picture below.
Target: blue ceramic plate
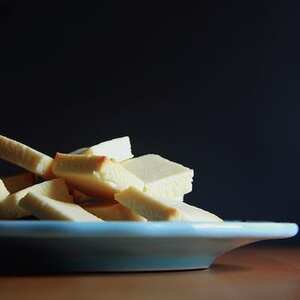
(127, 246)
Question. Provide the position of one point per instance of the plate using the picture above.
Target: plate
(59, 246)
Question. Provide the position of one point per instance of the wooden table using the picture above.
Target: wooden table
(249, 273)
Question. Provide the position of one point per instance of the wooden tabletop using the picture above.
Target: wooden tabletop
(247, 273)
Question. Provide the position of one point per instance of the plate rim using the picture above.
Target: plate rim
(111, 229)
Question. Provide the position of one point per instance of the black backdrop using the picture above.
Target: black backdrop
(213, 86)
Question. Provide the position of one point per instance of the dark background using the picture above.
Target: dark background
(213, 86)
